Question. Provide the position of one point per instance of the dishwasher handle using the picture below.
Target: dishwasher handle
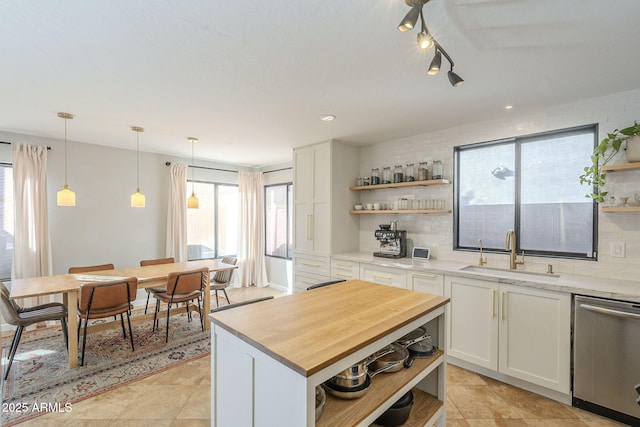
(609, 311)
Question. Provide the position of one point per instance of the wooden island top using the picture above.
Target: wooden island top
(309, 331)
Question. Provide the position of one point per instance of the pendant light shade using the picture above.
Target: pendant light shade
(409, 20)
(137, 198)
(455, 79)
(192, 202)
(435, 64)
(65, 197)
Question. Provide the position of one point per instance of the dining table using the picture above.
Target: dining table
(69, 286)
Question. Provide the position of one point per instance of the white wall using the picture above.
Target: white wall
(435, 231)
(279, 271)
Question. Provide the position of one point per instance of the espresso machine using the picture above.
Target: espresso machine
(393, 242)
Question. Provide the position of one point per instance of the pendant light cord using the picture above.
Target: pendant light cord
(138, 161)
(65, 152)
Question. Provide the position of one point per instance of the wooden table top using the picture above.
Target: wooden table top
(61, 283)
(310, 330)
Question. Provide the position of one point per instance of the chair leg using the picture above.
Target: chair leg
(166, 339)
(14, 348)
(130, 331)
(155, 316)
(84, 338)
(63, 322)
(200, 312)
(226, 296)
(217, 302)
(124, 333)
(188, 311)
(146, 306)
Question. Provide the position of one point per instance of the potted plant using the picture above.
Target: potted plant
(602, 154)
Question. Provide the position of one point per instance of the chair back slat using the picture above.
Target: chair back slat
(169, 260)
(107, 294)
(77, 270)
(185, 282)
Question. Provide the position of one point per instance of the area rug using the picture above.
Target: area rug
(40, 374)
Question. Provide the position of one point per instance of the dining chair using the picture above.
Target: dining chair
(183, 287)
(160, 288)
(98, 300)
(222, 279)
(20, 317)
(86, 269)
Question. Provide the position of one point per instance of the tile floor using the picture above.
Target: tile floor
(179, 397)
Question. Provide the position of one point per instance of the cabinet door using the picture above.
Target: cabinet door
(472, 330)
(535, 328)
(302, 175)
(429, 283)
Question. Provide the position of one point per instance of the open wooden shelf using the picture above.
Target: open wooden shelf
(621, 209)
(621, 167)
(399, 211)
(425, 406)
(353, 412)
(401, 184)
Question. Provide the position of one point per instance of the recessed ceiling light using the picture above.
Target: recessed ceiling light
(327, 117)
(508, 107)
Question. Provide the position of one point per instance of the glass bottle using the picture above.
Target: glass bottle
(366, 180)
(375, 176)
(422, 171)
(386, 175)
(398, 174)
(409, 174)
(436, 172)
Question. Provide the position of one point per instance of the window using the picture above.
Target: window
(531, 185)
(278, 209)
(212, 230)
(6, 221)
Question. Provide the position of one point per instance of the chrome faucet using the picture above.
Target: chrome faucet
(510, 245)
(482, 260)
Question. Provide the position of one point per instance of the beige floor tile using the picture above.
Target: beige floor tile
(452, 411)
(157, 402)
(531, 405)
(556, 423)
(460, 376)
(500, 422)
(190, 423)
(457, 423)
(480, 402)
(197, 406)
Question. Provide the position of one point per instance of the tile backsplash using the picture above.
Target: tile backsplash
(435, 231)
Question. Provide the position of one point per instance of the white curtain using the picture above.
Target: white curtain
(252, 269)
(32, 246)
(176, 246)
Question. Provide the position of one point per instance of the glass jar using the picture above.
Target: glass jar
(359, 181)
(366, 180)
(375, 176)
(422, 171)
(386, 175)
(409, 174)
(398, 174)
(436, 172)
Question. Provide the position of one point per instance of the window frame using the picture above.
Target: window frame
(9, 165)
(518, 141)
(289, 190)
(216, 185)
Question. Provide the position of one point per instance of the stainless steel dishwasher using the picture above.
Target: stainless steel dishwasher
(606, 358)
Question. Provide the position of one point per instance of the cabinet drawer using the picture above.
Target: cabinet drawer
(429, 283)
(312, 264)
(346, 270)
(301, 281)
(384, 275)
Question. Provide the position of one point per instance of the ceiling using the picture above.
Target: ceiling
(250, 80)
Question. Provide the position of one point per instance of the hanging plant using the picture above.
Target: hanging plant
(602, 154)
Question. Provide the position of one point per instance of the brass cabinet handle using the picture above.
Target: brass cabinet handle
(428, 276)
(379, 276)
(341, 264)
(493, 303)
(309, 264)
(504, 307)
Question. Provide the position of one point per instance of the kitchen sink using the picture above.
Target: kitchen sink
(503, 272)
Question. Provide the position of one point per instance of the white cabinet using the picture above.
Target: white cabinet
(429, 283)
(515, 330)
(344, 270)
(321, 199)
(390, 276)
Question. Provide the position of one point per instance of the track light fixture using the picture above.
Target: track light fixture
(426, 40)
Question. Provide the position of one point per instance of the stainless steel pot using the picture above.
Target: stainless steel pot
(355, 376)
(413, 337)
(393, 361)
(321, 398)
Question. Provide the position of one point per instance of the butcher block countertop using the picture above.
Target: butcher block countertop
(309, 331)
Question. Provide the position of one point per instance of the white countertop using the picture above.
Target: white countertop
(627, 290)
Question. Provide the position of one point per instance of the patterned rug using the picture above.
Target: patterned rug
(40, 374)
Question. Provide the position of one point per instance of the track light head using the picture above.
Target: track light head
(425, 41)
(410, 20)
(455, 79)
(435, 64)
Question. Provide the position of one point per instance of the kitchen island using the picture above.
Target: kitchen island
(268, 358)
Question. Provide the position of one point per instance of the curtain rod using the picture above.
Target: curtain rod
(8, 143)
(205, 167)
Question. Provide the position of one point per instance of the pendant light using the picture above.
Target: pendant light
(192, 202)
(66, 197)
(137, 198)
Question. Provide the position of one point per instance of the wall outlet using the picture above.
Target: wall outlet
(618, 249)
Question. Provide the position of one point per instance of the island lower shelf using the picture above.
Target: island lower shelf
(383, 386)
